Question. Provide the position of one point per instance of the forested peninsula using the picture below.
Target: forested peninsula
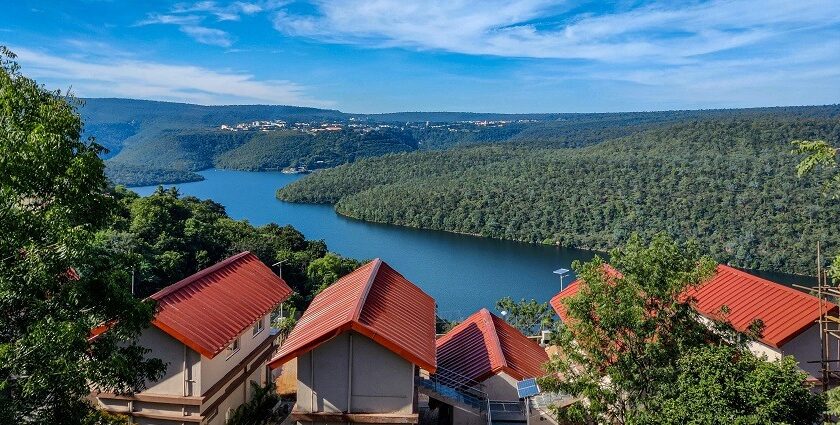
(161, 142)
(729, 183)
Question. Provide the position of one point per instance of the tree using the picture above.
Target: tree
(324, 271)
(722, 384)
(57, 283)
(529, 317)
(632, 342)
(821, 156)
(261, 409)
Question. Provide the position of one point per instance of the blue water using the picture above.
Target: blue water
(463, 273)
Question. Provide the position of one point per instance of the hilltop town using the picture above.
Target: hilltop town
(366, 126)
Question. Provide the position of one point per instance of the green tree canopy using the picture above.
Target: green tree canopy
(721, 384)
(529, 317)
(630, 337)
(56, 281)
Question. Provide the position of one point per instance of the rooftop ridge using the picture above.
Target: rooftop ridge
(198, 275)
(493, 334)
(357, 312)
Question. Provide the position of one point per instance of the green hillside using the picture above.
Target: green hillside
(729, 183)
(160, 142)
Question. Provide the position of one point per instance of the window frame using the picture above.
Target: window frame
(234, 347)
(258, 327)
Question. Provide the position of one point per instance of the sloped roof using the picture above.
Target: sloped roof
(484, 345)
(207, 310)
(375, 301)
(786, 312)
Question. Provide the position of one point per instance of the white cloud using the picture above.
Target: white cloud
(124, 77)
(207, 35)
(227, 12)
(668, 33)
(190, 18)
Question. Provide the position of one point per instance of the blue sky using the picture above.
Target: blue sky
(399, 55)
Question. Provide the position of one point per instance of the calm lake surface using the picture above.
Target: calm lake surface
(463, 273)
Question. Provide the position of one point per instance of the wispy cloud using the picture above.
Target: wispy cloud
(125, 77)
(207, 35)
(664, 32)
(191, 18)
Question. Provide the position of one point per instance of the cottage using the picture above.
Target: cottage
(486, 350)
(790, 317)
(212, 330)
(359, 347)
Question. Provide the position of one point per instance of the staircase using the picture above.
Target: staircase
(455, 390)
(506, 412)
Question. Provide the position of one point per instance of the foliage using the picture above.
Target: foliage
(170, 140)
(443, 326)
(729, 184)
(529, 317)
(328, 269)
(821, 156)
(261, 409)
(833, 402)
(624, 331)
(56, 281)
(285, 322)
(169, 237)
(636, 350)
(720, 384)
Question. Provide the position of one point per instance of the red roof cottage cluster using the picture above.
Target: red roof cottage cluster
(365, 350)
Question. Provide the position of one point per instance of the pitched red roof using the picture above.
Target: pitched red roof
(207, 310)
(786, 312)
(484, 345)
(375, 301)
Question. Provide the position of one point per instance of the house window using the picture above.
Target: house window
(233, 347)
(258, 327)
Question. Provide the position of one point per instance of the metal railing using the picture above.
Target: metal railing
(457, 387)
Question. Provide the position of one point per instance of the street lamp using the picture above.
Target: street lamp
(562, 273)
(279, 263)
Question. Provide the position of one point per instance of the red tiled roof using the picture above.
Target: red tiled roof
(786, 312)
(207, 310)
(484, 345)
(375, 301)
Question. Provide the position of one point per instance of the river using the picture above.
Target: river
(463, 273)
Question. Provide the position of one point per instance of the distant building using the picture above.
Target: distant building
(490, 352)
(790, 316)
(359, 347)
(212, 330)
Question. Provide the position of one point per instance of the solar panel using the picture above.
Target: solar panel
(527, 388)
(561, 272)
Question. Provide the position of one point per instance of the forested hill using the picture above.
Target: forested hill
(158, 142)
(729, 183)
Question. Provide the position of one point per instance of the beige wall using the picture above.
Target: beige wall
(351, 368)
(204, 371)
(502, 387)
(176, 356)
(212, 370)
(806, 348)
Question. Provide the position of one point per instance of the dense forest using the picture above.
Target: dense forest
(159, 142)
(729, 183)
(166, 237)
(179, 154)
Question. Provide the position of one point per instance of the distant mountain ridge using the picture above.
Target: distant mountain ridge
(153, 142)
